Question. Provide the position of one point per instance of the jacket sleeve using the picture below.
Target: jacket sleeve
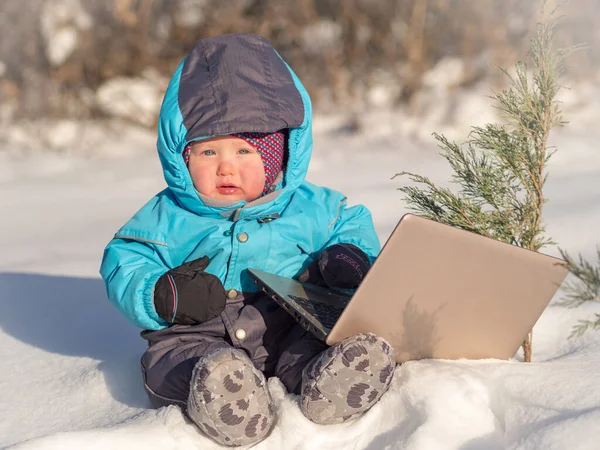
(354, 225)
(130, 269)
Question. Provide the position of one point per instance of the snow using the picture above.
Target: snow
(70, 375)
(135, 99)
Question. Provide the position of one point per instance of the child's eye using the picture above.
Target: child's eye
(245, 151)
(208, 152)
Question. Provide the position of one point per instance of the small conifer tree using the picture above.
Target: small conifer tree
(585, 288)
(501, 168)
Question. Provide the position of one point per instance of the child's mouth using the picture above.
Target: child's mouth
(228, 189)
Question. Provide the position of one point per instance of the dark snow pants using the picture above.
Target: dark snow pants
(275, 343)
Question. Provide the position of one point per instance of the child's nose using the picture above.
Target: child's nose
(225, 168)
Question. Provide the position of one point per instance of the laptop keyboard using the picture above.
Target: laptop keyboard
(326, 314)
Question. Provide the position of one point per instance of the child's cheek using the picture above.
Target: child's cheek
(256, 180)
(200, 175)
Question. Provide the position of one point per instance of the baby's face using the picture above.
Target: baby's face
(227, 168)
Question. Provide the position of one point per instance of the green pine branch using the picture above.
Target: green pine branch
(586, 286)
(500, 170)
(585, 325)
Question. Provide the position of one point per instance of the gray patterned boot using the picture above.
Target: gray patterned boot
(347, 379)
(229, 399)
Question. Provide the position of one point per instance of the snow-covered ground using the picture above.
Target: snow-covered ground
(70, 376)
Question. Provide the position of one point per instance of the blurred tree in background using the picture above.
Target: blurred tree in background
(56, 55)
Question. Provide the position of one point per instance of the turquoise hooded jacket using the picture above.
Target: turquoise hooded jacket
(229, 84)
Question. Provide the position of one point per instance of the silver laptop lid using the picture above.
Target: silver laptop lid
(436, 291)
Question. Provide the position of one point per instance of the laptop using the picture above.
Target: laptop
(434, 291)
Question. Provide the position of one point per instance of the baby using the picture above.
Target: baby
(234, 140)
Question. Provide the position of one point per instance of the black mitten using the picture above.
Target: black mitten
(340, 266)
(188, 295)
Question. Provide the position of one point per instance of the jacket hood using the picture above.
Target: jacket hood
(229, 84)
